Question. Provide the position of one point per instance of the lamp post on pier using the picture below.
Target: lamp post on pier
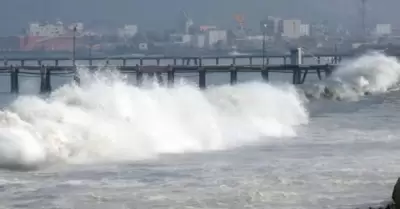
(76, 76)
(263, 45)
(74, 46)
(90, 46)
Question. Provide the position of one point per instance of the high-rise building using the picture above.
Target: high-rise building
(216, 36)
(319, 30)
(291, 28)
(304, 30)
(46, 30)
(198, 41)
(128, 31)
(383, 29)
(272, 26)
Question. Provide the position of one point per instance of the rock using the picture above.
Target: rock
(388, 204)
(396, 193)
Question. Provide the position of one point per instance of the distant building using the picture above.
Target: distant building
(272, 26)
(198, 41)
(265, 27)
(305, 30)
(291, 28)
(181, 38)
(46, 30)
(79, 27)
(257, 38)
(216, 36)
(319, 30)
(61, 43)
(128, 31)
(205, 28)
(383, 29)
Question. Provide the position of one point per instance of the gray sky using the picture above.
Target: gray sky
(154, 14)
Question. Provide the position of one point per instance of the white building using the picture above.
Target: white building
(383, 29)
(291, 28)
(273, 26)
(184, 39)
(79, 27)
(318, 30)
(128, 31)
(305, 30)
(46, 30)
(216, 36)
(198, 41)
(204, 28)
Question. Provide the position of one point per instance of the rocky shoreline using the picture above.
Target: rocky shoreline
(395, 199)
(389, 206)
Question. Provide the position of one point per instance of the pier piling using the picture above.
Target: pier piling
(170, 76)
(202, 77)
(139, 76)
(14, 78)
(233, 72)
(159, 78)
(265, 74)
(42, 80)
(77, 79)
(304, 76)
(296, 77)
(48, 80)
(319, 74)
(45, 80)
(296, 59)
(328, 71)
(150, 76)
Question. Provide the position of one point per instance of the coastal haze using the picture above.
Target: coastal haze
(108, 143)
(160, 14)
(194, 28)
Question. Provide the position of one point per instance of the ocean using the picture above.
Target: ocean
(110, 144)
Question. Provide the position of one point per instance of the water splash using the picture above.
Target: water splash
(372, 73)
(107, 119)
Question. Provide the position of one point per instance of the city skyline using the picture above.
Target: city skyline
(219, 12)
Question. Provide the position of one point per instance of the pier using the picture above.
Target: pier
(165, 74)
(130, 60)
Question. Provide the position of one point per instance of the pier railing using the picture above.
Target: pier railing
(171, 60)
(158, 73)
(165, 73)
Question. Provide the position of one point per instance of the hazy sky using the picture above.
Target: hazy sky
(153, 14)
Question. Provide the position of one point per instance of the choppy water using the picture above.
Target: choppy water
(108, 144)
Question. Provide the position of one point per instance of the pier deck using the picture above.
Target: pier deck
(171, 60)
(299, 72)
(159, 70)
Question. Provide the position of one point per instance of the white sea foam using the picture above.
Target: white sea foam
(107, 119)
(372, 73)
